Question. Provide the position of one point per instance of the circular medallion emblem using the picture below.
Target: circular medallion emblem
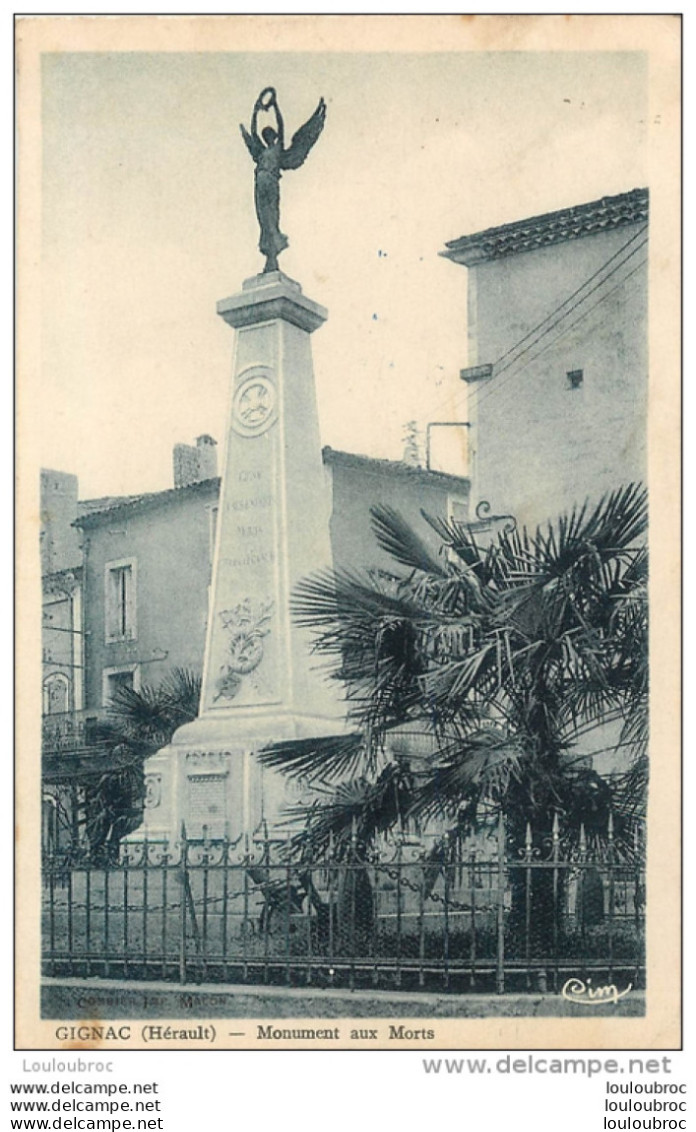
(254, 405)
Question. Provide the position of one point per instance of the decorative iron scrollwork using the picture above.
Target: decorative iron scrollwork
(485, 520)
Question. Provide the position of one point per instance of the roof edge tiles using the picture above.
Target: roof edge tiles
(550, 228)
(133, 504)
(391, 467)
(98, 511)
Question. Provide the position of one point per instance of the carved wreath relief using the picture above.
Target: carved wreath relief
(247, 626)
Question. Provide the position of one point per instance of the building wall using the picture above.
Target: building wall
(539, 445)
(170, 547)
(359, 485)
(193, 463)
(62, 643)
(60, 542)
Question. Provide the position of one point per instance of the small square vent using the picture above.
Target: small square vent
(574, 378)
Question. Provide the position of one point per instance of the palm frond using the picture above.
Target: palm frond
(504, 654)
(449, 687)
(631, 789)
(328, 597)
(181, 691)
(347, 819)
(470, 770)
(400, 541)
(318, 759)
(459, 538)
(146, 719)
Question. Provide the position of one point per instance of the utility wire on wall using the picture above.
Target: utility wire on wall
(547, 324)
(487, 390)
(519, 369)
(574, 294)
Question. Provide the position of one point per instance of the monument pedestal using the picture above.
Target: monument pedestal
(261, 683)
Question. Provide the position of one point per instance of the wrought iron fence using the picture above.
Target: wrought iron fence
(488, 915)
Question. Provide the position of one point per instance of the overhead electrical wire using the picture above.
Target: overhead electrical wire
(574, 294)
(617, 286)
(479, 395)
(487, 390)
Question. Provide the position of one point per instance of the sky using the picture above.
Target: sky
(148, 220)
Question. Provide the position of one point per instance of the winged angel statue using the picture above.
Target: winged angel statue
(270, 158)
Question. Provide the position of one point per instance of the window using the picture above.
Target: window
(126, 676)
(120, 600)
(574, 377)
(457, 513)
(56, 694)
(457, 509)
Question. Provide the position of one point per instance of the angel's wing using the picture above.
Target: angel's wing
(253, 144)
(305, 138)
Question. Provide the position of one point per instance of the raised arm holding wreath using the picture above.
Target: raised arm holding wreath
(271, 158)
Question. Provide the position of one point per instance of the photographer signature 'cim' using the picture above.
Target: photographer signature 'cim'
(578, 990)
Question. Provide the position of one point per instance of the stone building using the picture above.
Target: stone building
(147, 561)
(62, 630)
(557, 355)
(147, 566)
(90, 639)
(359, 482)
(195, 462)
(134, 604)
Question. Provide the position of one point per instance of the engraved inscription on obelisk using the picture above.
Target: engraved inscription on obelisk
(273, 524)
(245, 660)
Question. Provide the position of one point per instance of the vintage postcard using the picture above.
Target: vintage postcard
(349, 510)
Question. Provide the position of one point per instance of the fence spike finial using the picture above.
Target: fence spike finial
(321, 894)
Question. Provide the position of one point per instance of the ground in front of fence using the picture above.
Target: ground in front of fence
(66, 999)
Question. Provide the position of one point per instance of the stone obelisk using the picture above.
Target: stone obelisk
(261, 683)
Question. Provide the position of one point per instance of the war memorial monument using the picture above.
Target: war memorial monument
(261, 684)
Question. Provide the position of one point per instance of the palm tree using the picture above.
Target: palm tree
(138, 724)
(501, 657)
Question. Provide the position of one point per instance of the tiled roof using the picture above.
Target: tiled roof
(94, 511)
(103, 503)
(391, 467)
(550, 228)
